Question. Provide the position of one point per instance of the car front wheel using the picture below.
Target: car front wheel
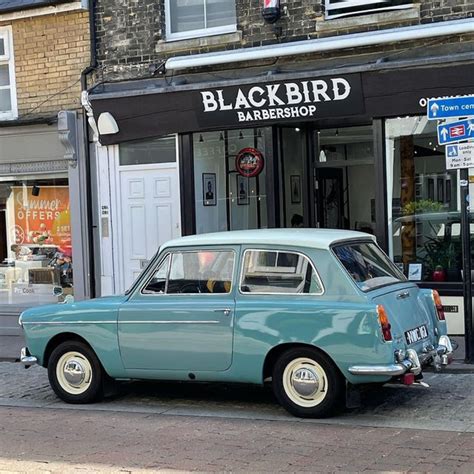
(75, 373)
(307, 383)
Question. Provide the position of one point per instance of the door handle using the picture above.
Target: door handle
(403, 295)
(226, 311)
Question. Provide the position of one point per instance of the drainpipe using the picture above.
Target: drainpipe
(355, 40)
(90, 211)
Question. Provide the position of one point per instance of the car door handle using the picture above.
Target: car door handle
(226, 311)
(403, 295)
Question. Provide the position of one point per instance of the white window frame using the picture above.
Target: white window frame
(361, 3)
(218, 30)
(8, 58)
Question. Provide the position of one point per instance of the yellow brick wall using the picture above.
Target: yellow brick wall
(50, 53)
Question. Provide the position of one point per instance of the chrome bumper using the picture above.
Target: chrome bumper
(26, 359)
(411, 362)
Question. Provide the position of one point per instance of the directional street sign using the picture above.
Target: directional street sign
(453, 107)
(460, 156)
(455, 131)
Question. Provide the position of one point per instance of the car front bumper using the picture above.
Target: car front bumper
(411, 362)
(26, 358)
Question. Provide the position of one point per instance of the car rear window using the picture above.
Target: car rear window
(368, 266)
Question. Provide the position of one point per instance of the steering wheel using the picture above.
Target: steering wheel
(190, 288)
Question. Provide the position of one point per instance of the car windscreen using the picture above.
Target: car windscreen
(367, 265)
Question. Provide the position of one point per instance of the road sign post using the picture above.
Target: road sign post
(467, 276)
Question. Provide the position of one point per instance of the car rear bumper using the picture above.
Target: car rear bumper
(26, 359)
(411, 361)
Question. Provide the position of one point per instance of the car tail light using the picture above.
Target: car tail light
(384, 323)
(438, 304)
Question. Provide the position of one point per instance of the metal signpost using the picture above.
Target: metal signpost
(460, 156)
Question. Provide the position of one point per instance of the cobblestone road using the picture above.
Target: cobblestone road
(447, 405)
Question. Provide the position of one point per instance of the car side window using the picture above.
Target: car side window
(202, 271)
(157, 284)
(267, 271)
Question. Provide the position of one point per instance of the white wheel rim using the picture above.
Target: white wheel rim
(74, 373)
(305, 382)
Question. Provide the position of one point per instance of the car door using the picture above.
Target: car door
(181, 318)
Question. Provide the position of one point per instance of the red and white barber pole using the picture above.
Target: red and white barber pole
(271, 10)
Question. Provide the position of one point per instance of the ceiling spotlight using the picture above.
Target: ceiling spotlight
(337, 132)
(297, 129)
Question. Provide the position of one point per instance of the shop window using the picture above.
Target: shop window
(340, 8)
(278, 272)
(8, 107)
(423, 203)
(345, 188)
(229, 180)
(148, 152)
(35, 241)
(196, 18)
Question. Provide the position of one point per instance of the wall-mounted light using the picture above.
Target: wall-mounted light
(271, 10)
(200, 138)
(35, 190)
(107, 124)
(241, 135)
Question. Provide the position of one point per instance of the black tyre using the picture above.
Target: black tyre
(307, 383)
(75, 373)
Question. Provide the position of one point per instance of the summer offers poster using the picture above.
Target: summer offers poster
(42, 219)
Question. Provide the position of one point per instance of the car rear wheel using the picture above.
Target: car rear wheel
(307, 383)
(75, 373)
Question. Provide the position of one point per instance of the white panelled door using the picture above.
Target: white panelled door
(150, 213)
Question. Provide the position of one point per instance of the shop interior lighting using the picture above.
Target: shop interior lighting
(297, 129)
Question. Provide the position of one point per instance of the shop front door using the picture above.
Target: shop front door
(331, 198)
(150, 214)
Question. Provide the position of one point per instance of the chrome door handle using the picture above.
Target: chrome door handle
(226, 311)
(403, 295)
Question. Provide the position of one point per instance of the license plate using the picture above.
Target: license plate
(417, 334)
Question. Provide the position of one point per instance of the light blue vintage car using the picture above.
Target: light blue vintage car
(313, 311)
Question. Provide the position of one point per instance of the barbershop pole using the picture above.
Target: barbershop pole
(460, 156)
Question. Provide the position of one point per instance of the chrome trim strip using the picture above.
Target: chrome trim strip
(169, 322)
(391, 370)
(36, 323)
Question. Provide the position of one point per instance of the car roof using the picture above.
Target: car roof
(313, 238)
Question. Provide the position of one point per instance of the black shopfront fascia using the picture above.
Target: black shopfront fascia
(342, 100)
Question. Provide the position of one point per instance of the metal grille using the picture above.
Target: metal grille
(339, 8)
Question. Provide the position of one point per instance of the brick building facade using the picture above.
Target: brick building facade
(327, 105)
(44, 47)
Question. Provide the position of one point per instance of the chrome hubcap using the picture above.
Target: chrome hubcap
(74, 373)
(305, 382)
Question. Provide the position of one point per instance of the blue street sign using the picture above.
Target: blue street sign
(455, 131)
(454, 107)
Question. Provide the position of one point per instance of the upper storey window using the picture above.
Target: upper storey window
(339, 8)
(195, 18)
(7, 76)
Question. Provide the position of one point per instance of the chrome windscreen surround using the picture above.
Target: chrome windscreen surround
(444, 343)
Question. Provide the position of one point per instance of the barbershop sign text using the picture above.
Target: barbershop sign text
(291, 100)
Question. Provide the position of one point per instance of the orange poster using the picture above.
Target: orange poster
(42, 219)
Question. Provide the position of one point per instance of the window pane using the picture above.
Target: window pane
(220, 13)
(278, 272)
(367, 265)
(158, 283)
(2, 47)
(144, 152)
(36, 265)
(423, 202)
(201, 272)
(5, 100)
(4, 76)
(187, 15)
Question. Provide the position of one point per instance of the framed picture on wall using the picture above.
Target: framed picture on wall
(242, 190)
(209, 189)
(295, 188)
